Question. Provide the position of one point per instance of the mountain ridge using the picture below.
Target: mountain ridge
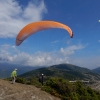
(96, 70)
(68, 71)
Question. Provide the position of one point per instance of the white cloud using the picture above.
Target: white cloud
(71, 49)
(87, 62)
(39, 58)
(98, 40)
(47, 58)
(13, 16)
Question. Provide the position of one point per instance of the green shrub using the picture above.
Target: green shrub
(21, 80)
(68, 91)
(34, 81)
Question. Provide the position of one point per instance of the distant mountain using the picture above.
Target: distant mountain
(70, 67)
(66, 71)
(6, 69)
(97, 70)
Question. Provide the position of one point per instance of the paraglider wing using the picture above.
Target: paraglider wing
(38, 26)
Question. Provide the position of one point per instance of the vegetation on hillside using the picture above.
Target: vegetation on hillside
(56, 81)
(67, 71)
(96, 70)
(68, 91)
(64, 89)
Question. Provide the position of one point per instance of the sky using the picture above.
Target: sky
(52, 46)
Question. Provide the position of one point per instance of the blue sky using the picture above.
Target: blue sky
(52, 46)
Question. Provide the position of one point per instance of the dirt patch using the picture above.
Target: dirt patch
(19, 91)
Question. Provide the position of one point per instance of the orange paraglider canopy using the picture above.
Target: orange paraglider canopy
(38, 26)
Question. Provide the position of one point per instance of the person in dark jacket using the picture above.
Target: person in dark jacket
(41, 79)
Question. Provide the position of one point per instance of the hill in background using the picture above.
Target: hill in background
(56, 83)
(71, 72)
(96, 70)
(67, 71)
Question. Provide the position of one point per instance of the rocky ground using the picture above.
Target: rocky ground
(19, 91)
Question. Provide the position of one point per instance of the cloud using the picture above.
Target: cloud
(10, 54)
(13, 16)
(37, 59)
(71, 49)
(87, 62)
(98, 40)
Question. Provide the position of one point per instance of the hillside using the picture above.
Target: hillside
(70, 67)
(19, 91)
(67, 71)
(96, 70)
